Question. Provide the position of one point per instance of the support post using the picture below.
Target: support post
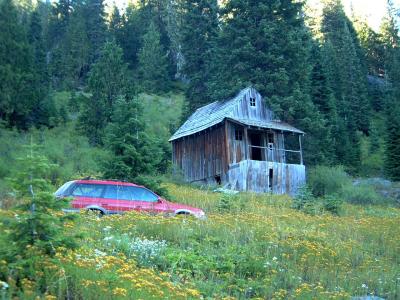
(246, 144)
(301, 150)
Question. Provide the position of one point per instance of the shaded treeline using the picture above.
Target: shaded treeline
(333, 77)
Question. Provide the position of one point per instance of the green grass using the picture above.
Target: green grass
(256, 247)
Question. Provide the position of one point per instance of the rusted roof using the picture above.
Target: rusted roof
(216, 112)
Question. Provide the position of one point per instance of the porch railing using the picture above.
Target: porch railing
(277, 155)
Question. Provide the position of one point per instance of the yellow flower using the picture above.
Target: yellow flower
(119, 292)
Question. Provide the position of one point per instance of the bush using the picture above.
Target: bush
(361, 194)
(325, 180)
(333, 204)
(154, 184)
(306, 202)
(230, 203)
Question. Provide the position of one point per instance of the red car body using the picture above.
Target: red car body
(111, 197)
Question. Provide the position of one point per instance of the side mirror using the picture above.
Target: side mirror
(160, 200)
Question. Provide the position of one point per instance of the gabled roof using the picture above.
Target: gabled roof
(216, 112)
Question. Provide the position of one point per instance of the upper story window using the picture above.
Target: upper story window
(238, 134)
(252, 101)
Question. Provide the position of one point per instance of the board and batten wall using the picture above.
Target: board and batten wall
(203, 155)
(252, 175)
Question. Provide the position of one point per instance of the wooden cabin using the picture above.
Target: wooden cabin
(238, 144)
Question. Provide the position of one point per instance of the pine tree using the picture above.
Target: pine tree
(130, 35)
(16, 70)
(132, 150)
(96, 29)
(200, 28)
(107, 81)
(76, 50)
(267, 45)
(115, 24)
(152, 68)
(346, 72)
(37, 223)
(391, 39)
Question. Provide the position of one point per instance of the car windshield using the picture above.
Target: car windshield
(88, 190)
(62, 191)
(132, 193)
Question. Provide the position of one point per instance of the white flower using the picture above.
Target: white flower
(364, 286)
(4, 285)
(107, 228)
(107, 238)
(99, 253)
(274, 258)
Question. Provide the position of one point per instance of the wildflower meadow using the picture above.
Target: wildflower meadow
(249, 247)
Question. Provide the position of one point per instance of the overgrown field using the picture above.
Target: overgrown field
(249, 247)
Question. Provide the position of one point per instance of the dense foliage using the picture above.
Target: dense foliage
(332, 76)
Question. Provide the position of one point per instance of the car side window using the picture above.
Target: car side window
(88, 190)
(118, 192)
(111, 192)
(142, 194)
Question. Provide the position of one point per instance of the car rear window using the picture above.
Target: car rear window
(132, 193)
(64, 189)
(88, 190)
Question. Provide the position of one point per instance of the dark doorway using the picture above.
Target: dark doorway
(218, 179)
(270, 179)
(255, 146)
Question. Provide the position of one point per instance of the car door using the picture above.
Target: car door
(147, 200)
(118, 198)
(86, 194)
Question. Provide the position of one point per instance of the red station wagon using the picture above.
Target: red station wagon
(111, 197)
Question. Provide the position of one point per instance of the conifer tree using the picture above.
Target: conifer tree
(152, 68)
(130, 35)
(199, 28)
(16, 70)
(125, 138)
(37, 223)
(391, 39)
(115, 24)
(266, 44)
(76, 50)
(96, 29)
(107, 81)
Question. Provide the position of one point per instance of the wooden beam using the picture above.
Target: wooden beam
(246, 144)
(301, 150)
(228, 156)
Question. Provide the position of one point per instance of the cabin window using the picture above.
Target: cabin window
(252, 101)
(238, 134)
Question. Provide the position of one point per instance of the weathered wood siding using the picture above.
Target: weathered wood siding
(251, 175)
(244, 110)
(201, 156)
(240, 149)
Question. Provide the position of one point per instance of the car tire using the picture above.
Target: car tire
(95, 212)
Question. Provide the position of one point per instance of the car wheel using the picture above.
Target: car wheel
(95, 212)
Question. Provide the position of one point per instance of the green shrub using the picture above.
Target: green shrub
(303, 197)
(361, 194)
(325, 180)
(231, 203)
(154, 184)
(333, 204)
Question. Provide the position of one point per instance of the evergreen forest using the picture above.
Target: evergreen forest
(92, 89)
